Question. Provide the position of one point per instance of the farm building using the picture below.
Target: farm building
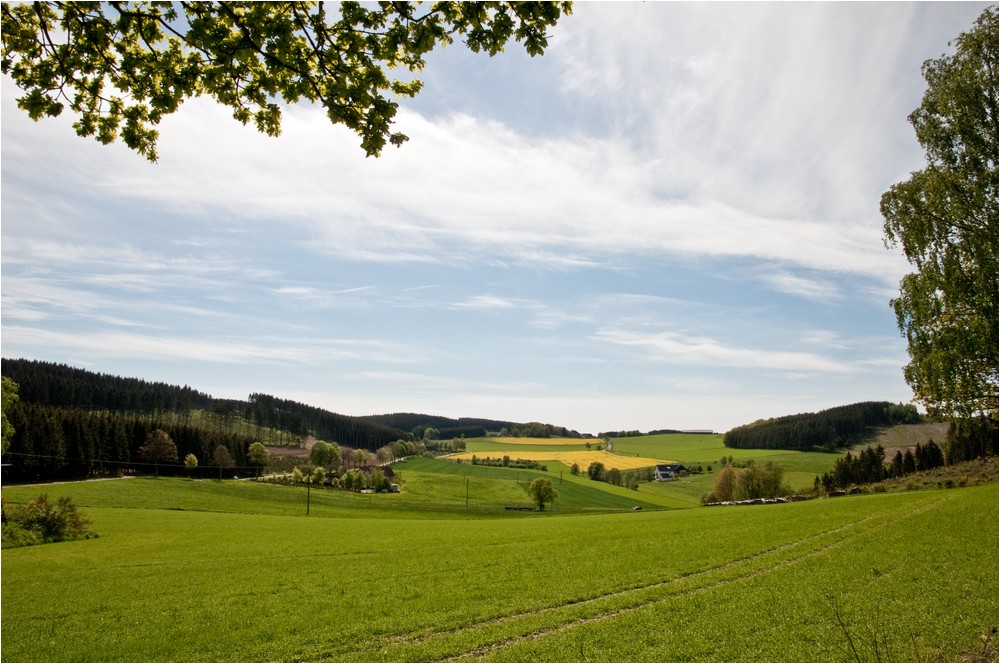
(670, 471)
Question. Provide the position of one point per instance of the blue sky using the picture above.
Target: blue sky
(670, 220)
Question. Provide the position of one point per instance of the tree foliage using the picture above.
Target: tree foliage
(258, 455)
(542, 491)
(120, 67)
(596, 471)
(10, 397)
(945, 218)
(222, 458)
(972, 438)
(323, 454)
(725, 484)
(159, 448)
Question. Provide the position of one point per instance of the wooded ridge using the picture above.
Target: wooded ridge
(828, 429)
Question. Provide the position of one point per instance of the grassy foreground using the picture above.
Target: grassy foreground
(234, 571)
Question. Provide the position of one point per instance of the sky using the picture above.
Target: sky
(668, 221)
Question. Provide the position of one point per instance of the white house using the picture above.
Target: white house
(670, 471)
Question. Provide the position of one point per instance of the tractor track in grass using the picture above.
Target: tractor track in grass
(574, 613)
(893, 517)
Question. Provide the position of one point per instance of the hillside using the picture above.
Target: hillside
(826, 430)
(72, 423)
(62, 386)
(447, 427)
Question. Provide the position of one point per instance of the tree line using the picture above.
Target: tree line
(828, 429)
(50, 443)
(751, 482)
(967, 440)
(447, 427)
(270, 411)
(62, 386)
(869, 466)
(51, 384)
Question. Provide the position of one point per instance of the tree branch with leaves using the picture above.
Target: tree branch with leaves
(120, 67)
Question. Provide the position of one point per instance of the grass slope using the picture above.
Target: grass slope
(240, 574)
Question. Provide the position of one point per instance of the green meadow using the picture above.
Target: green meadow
(690, 449)
(236, 571)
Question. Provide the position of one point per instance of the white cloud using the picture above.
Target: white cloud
(813, 289)
(268, 351)
(568, 202)
(674, 348)
(488, 303)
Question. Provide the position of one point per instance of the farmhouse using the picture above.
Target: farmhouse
(670, 471)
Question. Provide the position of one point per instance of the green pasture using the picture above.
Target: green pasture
(801, 468)
(235, 571)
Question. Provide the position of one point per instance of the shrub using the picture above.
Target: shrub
(39, 521)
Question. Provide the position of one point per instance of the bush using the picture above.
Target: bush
(14, 534)
(40, 521)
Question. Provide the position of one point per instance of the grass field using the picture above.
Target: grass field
(707, 450)
(235, 571)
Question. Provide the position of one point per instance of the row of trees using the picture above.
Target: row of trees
(538, 430)
(599, 473)
(449, 445)
(351, 479)
(753, 481)
(334, 457)
(507, 462)
(447, 427)
(869, 466)
(827, 429)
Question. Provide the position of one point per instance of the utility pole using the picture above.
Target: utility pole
(308, 487)
(466, 490)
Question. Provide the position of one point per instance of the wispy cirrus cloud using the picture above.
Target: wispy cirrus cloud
(675, 348)
(566, 202)
(270, 351)
(784, 281)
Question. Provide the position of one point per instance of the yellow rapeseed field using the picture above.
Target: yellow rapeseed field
(543, 441)
(583, 458)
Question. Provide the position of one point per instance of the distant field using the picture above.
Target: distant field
(235, 571)
(707, 450)
(510, 440)
(583, 458)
